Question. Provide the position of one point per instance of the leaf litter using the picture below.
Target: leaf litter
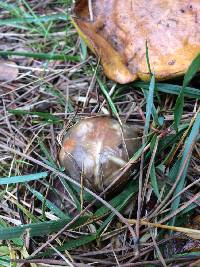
(49, 92)
(8, 71)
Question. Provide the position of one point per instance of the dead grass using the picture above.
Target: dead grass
(34, 107)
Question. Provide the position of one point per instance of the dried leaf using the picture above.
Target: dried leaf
(117, 32)
(8, 71)
(193, 233)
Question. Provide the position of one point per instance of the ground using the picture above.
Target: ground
(55, 82)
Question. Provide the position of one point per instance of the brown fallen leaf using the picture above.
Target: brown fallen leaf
(117, 32)
(8, 71)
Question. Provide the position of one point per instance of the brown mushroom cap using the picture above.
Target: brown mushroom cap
(97, 148)
(120, 29)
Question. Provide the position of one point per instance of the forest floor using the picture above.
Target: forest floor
(48, 79)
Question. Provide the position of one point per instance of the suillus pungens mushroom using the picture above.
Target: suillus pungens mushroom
(117, 32)
(96, 149)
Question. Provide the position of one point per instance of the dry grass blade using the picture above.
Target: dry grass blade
(50, 81)
(193, 233)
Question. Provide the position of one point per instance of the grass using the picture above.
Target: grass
(59, 82)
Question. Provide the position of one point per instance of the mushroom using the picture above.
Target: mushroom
(96, 149)
(117, 32)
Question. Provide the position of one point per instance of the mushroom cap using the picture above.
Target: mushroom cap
(97, 148)
(120, 29)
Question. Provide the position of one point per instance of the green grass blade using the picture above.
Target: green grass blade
(83, 50)
(154, 112)
(170, 89)
(4, 261)
(189, 208)
(173, 171)
(38, 229)
(138, 153)
(69, 188)
(152, 173)
(171, 139)
(22, 178)
(192, 70)
(13, 9)
(16, 241)
(47, 56)
(119, 202)
(30, 10)
(178, 109)
(147, 59)
(49, 118)
(154, 181)
(130, 189)
(17, 21)
(149, 104)
(47, 154)
(104, 89)
(4, 250)
(33, 218)
(49, 204)
(187, 150)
